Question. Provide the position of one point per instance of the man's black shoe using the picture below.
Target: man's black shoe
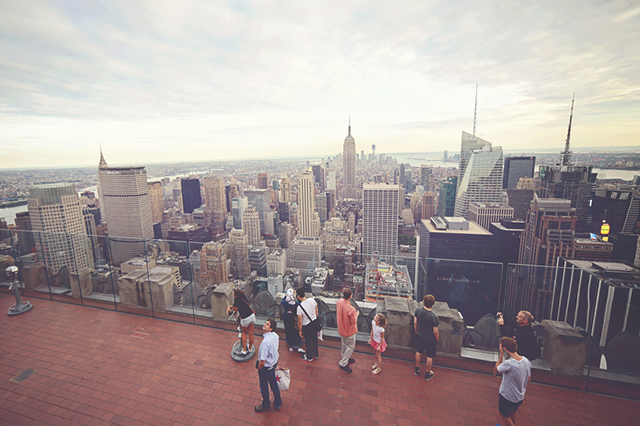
(278, 407)
(347, 369)
(351, 360)
(261, 409)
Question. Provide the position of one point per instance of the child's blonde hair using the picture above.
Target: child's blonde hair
(382, 320)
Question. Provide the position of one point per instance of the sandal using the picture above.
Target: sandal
(377, 371)
(374, 366)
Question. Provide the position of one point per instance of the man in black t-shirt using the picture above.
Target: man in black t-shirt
(425, 324)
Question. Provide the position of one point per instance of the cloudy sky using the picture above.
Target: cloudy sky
(159, 81)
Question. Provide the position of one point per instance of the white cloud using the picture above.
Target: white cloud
(216, 78)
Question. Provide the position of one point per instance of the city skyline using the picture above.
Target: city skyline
(239, 80)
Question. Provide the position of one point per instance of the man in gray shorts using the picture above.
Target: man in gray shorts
(516, 372)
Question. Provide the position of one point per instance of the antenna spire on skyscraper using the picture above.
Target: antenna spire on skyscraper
(566, 154)
(475, 109)
(102, 164)
(349, 124)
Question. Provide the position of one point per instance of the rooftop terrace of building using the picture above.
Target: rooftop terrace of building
(98, 367)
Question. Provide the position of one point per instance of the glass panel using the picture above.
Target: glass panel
(471, 291)
(128, 259)
(8, 257)
(99, 288)
(56, 251)
(32, 269)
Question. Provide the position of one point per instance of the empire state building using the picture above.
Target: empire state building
(349, 166)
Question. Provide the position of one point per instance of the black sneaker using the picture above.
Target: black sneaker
(416, 371)
(278, 407)
(304, 357)
(351, 360)
(428, 376)
(261, 408)
(317, 357)
(346, 369)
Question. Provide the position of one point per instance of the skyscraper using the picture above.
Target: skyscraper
(127, 209)
(262, 181)
(260, 200)
(215, 203)
(425, 174)
(428, 206)
(54, 209)
(251, 225)
(238, 206)
(238, 249)
(213, 265)
(447, 197)
(380, 219)
(306, 204)
(515, 168)
(191, 198)
(480, 174)
(318, 176)
(349, 166)
(157, 201)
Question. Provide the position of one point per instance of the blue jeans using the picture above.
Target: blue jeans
(268, 378)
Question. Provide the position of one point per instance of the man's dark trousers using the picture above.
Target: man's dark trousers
(311, 340)
(268, 378)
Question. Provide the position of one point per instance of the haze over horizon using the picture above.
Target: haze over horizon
(224, 80)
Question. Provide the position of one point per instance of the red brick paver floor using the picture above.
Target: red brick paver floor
(97, 367)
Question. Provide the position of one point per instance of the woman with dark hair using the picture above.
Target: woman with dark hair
(290, 306)
(247, 318)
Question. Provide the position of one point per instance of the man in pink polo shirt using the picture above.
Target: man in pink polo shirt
(347, 317)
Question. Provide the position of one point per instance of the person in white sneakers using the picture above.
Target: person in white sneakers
(307, 313)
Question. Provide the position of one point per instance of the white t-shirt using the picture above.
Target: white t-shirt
(309, 305)
(377, 331)
(515, 375)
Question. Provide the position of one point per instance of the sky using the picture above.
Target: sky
(161, 81)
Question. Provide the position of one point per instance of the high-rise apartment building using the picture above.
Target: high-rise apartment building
(26, 241)
(349, 188)
(215, 201)
(548, 235)
(260, 200)
(54, 209)
(447, 197)
(238, 252)
(263, 181)
(428, 206)
(380, 220)
(127, 209)
(285, 189)
(251, 225)
(484, 214)
(425, 175)
(306, 254)
(480, 174)
(213, 265)
(191, 196)
(306, 204)
(157, 201)
(238, 206)
(516, 168)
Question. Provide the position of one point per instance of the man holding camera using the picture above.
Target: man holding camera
(516, 372)
(267, 362)
(523, 333)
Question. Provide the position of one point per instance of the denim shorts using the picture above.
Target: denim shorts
(246, 322)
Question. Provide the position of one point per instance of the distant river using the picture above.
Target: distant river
(616, 174)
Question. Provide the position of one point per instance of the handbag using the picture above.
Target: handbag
(283, 377)
(315, 325)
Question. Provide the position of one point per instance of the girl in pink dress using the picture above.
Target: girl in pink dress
(376, 340)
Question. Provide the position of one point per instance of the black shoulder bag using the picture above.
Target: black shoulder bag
(315, 325)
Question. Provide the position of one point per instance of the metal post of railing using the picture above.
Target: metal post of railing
(146, 261)
(46, 269)
(588, 319)
(555, 282)
(191, 281)
(566, 312)
(579, 292)
(626, 314)
(75, 261)
(595, 308)
(108, 262)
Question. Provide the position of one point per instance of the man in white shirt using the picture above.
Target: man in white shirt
(516, 372)
(307, 313)
(267, 362)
